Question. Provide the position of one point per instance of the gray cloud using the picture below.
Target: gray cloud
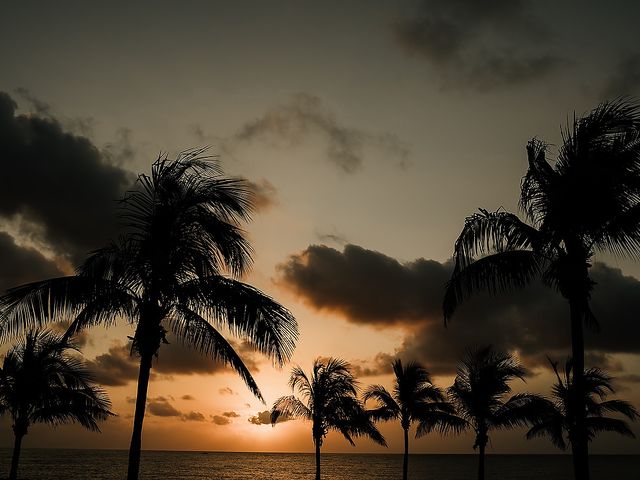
(479, 45)
(625, 78)
(306, 115)
(20, 265)
(160, 407)
(220, 420)
(117, 367)
(264, 418)
(67, 188)
(380, 364)
(265, 194)
(370, 288)
(193, 417)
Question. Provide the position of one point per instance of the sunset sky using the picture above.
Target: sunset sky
(369, 131)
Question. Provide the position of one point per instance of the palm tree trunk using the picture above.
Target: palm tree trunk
(141, 402)
(579, 443)
(481, 448)
(317, 442)
(405, 461)
(15, 458)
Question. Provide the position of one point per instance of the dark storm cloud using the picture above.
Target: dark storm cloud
(117, 367)
(479, 45)
(57, 180)
(370, 288)
(264, 418)
(624, 79)
(20, 265)
(306, 115)
(364, 285)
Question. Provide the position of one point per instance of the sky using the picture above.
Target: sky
(369, 130)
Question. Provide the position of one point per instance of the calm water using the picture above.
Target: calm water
(111, 465)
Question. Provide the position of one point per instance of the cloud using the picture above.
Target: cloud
(624, 79)
(67, 188)
(380, 364)
(231, 414)
(226, 391)
(265, 195)
(479, 45)
(369, 288)
(306, 115)
(160, 407)
(333, 236)
(264, 418)
(193, 417)
(117, 367)
(114, 368)
(220, 420)
(187, 397)
(20, 265)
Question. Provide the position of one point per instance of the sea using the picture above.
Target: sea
(54, 464)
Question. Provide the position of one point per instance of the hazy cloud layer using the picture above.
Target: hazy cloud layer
(117, 367)
(306, 115)
(20, 265)
(265, 195)
(367, 287)
(58, 181)
(624, 78)
(479, 45)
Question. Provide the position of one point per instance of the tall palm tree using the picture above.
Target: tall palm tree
(587, 201)
(480, 394)
(414, 399)
(559, 422)
(40, 382)
(329, 401)
(174, 269)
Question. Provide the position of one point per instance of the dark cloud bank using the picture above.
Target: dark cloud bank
(480, 46)
(370, 288)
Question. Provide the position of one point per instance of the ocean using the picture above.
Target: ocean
(52, 464)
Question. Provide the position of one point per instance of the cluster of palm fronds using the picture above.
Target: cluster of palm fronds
(176, 268)
(479, 400)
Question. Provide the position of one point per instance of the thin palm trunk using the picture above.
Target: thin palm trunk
(405, 461)
(579, 445)
(481, 448)
(141, 402)
(317, 442)
(15, 458)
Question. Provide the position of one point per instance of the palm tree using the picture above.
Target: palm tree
(414, 398)
(41, 383)
(559, 423)
(329, 401)
(174, 269)
(480, 392)
(588, 201)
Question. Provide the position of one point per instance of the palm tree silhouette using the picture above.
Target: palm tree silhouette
(588, 201)
(175, 270)
(40, 382)
(559, 422)
(414, 398)
(330, 402)
(479, 394)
